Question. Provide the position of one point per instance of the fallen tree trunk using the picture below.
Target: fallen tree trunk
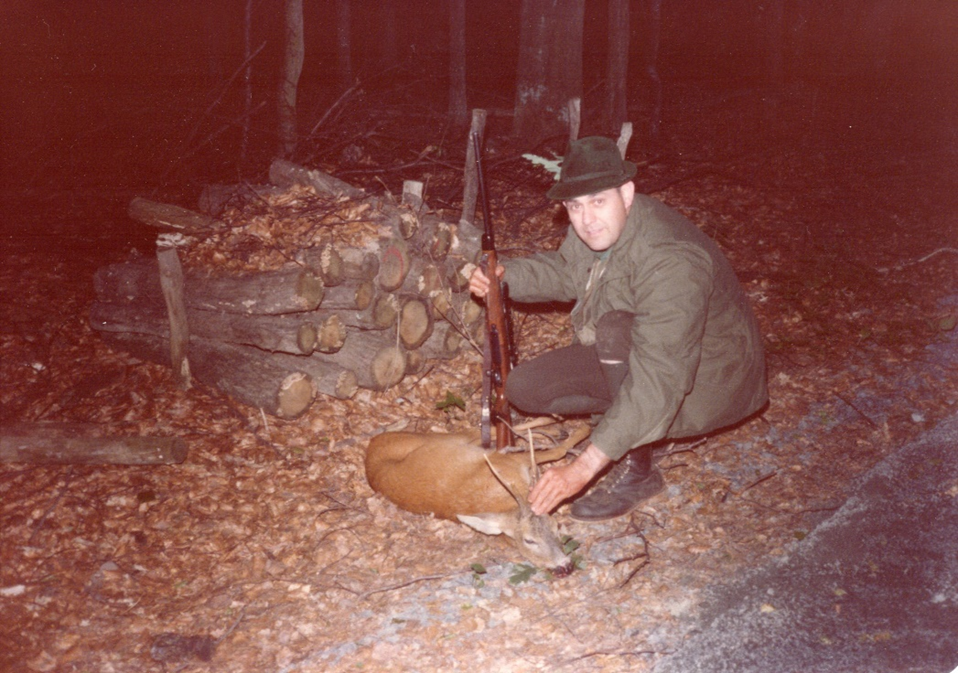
(296, 333)
(284, 174)
(335, 265)
(214, 199)
(374, 357)
(280, 384)
(168, 216)
(444, 343)
(82, 443)
(350, 296)
(287, 290)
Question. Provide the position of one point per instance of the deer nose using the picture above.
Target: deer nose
(563, 570)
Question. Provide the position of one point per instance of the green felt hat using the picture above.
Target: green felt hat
(591, 165)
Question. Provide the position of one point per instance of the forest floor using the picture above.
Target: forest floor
(267, 550)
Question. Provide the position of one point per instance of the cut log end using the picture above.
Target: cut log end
(346, 385)
(415, 323)
(310, 288)
(306, 338)
(295, 395)
(394, 265)
(385, 310)
(365, 294)
(331, 335)
(389, 367)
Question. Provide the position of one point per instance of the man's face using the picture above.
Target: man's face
(599, 218)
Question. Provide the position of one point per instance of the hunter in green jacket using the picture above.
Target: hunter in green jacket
(666, 343)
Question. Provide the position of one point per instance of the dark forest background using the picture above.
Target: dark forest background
(102, 96)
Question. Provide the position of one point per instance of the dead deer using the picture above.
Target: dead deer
(452, 477)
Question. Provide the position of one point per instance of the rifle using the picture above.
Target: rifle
(497, 353)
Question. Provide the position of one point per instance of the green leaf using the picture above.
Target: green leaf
(478, 568)
(523, 573)
(569, 544)
(451, 401)
(948, 323)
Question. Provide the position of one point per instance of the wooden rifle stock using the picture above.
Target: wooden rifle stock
(497, 351)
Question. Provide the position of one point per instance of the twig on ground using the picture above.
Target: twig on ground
(856, 410)
(400, 585)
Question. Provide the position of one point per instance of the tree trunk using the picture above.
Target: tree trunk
(550, 67)
(652, 72)
(390, 54)
(344, 59)
(247, 80)
(83, 444)
(458, 110)
(774, 19)
(292, 68)
(619, 31)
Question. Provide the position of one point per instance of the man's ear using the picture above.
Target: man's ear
(628, 193)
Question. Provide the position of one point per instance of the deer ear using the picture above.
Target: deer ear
(490, 524)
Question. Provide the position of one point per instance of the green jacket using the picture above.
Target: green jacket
(697, 362)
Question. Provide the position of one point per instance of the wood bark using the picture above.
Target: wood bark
(550, 67)
(214, 199)
(168, 216)
(285, 173)
(344, 59)
(652, 74)
(171, 283)
(470, 193)
(360, 307)
(458, 110)
(619, 32)
(350, 296)
(296, 333)
(287, 290)
(444, 343)
(280, 384)
(292, 69)
(337, 265)
(374, 357)
(83, 443)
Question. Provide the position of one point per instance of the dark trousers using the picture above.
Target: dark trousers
(576, 379)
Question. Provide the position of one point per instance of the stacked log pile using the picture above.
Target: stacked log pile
(306, 286)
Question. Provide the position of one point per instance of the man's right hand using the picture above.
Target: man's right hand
(479, 281)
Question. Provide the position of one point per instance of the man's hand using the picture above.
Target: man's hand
(563, 482)
(479, 281)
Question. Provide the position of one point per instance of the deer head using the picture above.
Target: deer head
(536, 536)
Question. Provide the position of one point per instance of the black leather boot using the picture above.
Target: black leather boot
(630, 481)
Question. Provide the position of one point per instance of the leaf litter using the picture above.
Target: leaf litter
(267, 551)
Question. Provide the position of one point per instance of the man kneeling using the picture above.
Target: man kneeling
(666, 345)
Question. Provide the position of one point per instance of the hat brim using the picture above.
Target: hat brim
(591, 184)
